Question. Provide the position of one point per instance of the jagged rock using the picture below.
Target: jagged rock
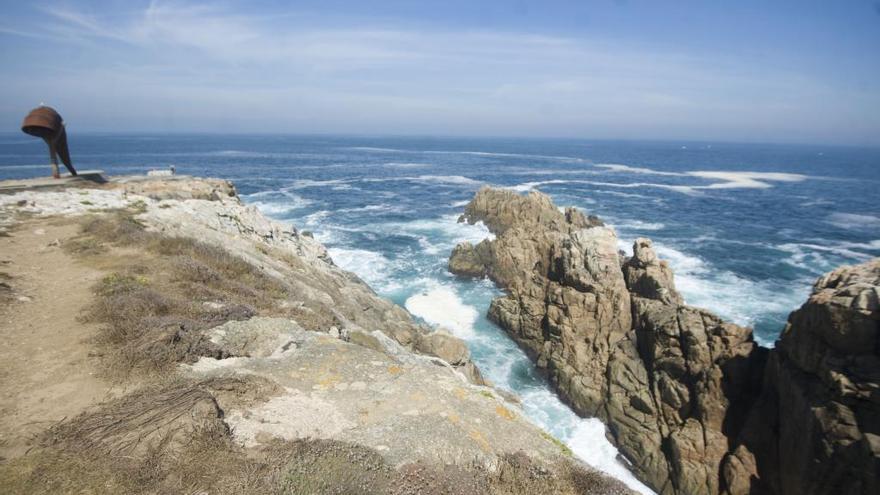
(689, 399)
(467, 261)
(442, 344)
(699, 371)
(501, 209)
(816, 429)
(648, 276)
(669, 380)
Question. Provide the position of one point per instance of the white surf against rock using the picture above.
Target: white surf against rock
(370, 266)
(440, 305)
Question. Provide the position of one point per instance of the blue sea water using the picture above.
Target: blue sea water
(746, 227)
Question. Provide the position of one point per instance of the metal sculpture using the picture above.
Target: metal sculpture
(44, 122)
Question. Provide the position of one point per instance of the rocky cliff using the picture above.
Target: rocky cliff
(240, 359)
(816, 427)
(676, 385)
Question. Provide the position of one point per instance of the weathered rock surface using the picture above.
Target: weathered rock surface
(676, 385)
(409, 408)
(816, 429)
(649, 276)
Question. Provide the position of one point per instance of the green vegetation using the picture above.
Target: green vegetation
(557, 442)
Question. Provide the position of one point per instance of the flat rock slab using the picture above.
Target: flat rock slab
(408, 410)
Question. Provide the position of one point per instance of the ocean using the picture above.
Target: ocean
(747, 228)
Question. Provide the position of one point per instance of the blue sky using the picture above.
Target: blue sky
(766, 71)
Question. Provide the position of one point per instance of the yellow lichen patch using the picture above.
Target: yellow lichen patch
(453, 418)
(504, 412)
(328, 381)
(460, 393)
(363, 416)
(395, 370)
(480, 440)
(417, 397)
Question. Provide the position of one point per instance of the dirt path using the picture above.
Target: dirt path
(47, 373)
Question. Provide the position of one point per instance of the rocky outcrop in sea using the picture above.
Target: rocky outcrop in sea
(690, 400)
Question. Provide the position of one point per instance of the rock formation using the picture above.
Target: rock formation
(322, 387)
(816, 428)
(676, 385)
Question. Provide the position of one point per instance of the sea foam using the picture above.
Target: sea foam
(441, 306)
(730, 296)
(854, 221)
(370, 266)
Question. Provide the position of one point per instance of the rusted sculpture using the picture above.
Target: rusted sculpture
(44, 122)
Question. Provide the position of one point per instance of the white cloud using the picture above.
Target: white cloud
(172, 57)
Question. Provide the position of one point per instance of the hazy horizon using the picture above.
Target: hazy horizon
(786, 73)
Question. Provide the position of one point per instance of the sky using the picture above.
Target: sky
(750, 71)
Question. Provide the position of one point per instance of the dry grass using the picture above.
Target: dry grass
(158, 440)
(172, 439)
(166, 291)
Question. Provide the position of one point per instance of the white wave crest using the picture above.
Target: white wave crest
(238, 153)
(588, 442)
(638, 225)
(439, 305)
(745, 180)
(614, 167)
(377, 150)
(820, 258)
(729, 179)
(283, 205)
(445, 230)
(471, 153)
(371, 267)
(624, 194)
(379, 207)
(854, 221)
(527, 186)
(406, 165)
(305, 183)
(450, 179)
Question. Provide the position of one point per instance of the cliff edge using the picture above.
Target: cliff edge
(202, 347)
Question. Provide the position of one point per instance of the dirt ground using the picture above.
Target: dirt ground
(47, 371)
